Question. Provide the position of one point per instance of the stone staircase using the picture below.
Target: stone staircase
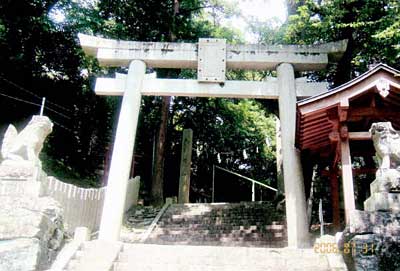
(137, 221)
(206, 237)
(94, 256)
(256, 224)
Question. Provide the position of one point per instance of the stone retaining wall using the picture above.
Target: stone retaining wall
(31, 232)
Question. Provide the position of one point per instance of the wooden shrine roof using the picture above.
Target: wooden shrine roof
(357, 103)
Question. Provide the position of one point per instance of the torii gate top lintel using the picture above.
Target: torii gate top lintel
(112, 52)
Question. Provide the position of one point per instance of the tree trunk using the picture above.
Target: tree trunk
(157, 183)
(292, 6)
(343, 70)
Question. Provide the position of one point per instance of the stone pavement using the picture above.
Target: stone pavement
(102, 256)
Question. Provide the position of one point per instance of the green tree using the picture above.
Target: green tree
(235, 134)
(369, 26)
(151, 21)
(42, 59)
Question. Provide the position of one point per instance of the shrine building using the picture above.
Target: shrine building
(333, 130)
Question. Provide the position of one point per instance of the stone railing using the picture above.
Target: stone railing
(83, 207)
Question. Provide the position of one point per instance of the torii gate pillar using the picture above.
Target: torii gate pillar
(114, 202)
(296, 216)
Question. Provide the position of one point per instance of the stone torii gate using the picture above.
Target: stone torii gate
(211, 58)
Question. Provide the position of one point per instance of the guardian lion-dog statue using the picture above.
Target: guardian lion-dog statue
(387, 145)
(27, 144)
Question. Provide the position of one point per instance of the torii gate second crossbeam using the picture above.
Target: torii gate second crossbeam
(211, 57)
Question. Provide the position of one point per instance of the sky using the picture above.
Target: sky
(262, 10)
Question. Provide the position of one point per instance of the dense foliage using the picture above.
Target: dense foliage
(371, 28)
(40, 57)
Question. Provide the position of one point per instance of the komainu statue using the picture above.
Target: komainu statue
(378, 225)
(387, 145)
(27, 144)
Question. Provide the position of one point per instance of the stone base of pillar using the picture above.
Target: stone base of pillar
(372, 238)
(384, 192)
(371, 241)
(383, 202)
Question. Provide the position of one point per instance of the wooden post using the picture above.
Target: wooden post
(347, 178)
(321, 217)
(213, 185)
(186, 159)
(253, 191)
(310, 200)
(42, 107)
(333, 176)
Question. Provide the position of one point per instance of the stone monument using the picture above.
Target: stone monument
(371, 241)
(31, 226)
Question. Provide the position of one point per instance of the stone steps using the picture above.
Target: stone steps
(223, 243)
(208, 258)
(227, 227)
(95, 255)
(170, 267)
(236, 224)
(215, 221)
(219, 234)
(136, 222)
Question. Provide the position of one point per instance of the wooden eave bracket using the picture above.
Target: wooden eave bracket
(336, 157)
(343, 110)
(333, 118)
(344, 132)
(334, 137)
(337, 117)
(343, 116)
